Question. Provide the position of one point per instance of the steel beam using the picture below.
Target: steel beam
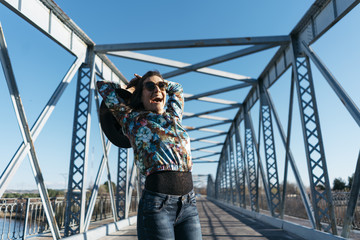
(260, 168)
(210, 155)
(22, 150)
(208, 151)
(251, 165)
(58, 27)
(209, 112)
(288, 137)
(211, 100)
(122, 183)
(76, 195)
(315, 154)
(95, 190)
(220, 59)
(240, 167)
(188, 128)
(334, 84)
(312, 26)
(103, 163)
(290, 157)
(26, 135)
(211, 136)
(234, 172)
(270, 156)
(207, 161)
(177, 64)
(218, 91)
(216, 118)
(106, 48)
(351, 206)
(209, 146)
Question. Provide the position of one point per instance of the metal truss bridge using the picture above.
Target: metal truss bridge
(247, 157)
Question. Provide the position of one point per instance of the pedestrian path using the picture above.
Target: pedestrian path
(219, 223)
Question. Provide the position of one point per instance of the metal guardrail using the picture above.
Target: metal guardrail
(294, 207)
(23, 217)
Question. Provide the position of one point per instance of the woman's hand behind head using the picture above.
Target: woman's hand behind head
(133, 83)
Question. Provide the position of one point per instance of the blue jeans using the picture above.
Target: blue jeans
(166, 217)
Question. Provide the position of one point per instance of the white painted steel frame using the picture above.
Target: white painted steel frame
(177, 64)
(314, 148)
(76, 194)
(40, 122)
(270, 156)
(26, 135)
(106, 48)
(321, 16)
(291, 159)
(318, 24)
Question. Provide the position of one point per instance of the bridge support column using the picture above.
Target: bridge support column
(270, 156)
(240, 167)
(122, 185)
(314, 148)
(251, 165)
(76, 195)
(233, 170)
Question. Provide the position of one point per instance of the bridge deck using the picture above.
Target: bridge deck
(220, 223)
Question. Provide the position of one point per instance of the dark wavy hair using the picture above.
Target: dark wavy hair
(135, 100)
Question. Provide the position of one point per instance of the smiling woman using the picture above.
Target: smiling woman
(167, 209)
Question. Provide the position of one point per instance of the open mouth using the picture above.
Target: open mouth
(156, 100)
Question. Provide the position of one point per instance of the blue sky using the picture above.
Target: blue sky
(39, 65)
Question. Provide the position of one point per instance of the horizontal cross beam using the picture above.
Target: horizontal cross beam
(104, 48)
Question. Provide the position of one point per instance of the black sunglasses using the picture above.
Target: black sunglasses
(151, 85)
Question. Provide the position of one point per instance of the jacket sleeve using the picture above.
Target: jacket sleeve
(115, 104)
(175, 103)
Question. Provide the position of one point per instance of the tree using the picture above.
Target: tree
(339, 184)
(106, 184)
(350, 181)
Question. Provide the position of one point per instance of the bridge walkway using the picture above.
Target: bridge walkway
(218, 223)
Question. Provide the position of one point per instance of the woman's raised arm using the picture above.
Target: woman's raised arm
(175, 104)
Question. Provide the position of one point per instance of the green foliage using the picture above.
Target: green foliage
(107, 188)
(350, 181)
(55, 193)
(320, 187)
(51, 192)
(21, 195)
(339, 184)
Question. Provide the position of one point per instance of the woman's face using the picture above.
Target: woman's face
(154, 100)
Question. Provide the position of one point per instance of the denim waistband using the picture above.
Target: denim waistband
(168, 196)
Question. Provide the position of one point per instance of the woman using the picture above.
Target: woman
(167, 208)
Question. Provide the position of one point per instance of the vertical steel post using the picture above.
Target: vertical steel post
(287, 145)
(240, 166)
(122, 183)
(223, 179)
(270, 156)
(76, 195)
(260, 168)
(229, 185)
(217, 180)
(354, 195)
(251, 165)
(26, 220)
(234, 172)
(23, 149)
(26, 135)
(210, 189)
(314, 147)
(334, 84)
(291, 159)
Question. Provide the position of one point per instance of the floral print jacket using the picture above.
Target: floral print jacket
(159, 141)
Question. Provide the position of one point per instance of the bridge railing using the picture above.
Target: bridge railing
(24, 217)
(295, 208)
